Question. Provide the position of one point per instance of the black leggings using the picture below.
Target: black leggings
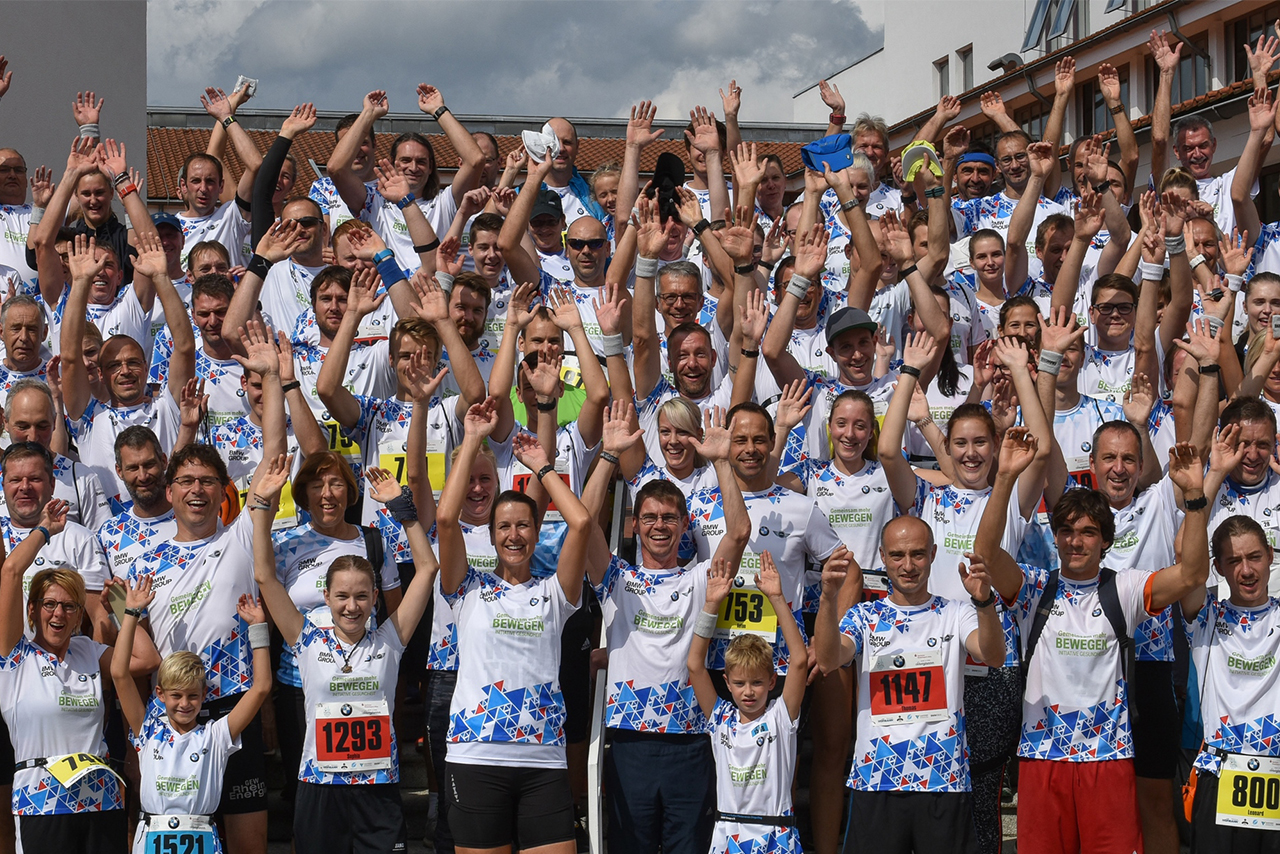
(993, 722)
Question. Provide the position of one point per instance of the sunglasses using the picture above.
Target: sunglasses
(594, 244)
(308, 221)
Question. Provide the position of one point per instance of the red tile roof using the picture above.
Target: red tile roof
(168, 148)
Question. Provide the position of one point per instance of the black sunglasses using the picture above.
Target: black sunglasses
(308, 221)
(593, 244)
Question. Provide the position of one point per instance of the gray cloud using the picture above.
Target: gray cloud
(531, 57)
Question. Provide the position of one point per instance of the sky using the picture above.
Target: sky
(506, 57)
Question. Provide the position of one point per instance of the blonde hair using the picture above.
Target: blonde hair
(748, 652)
(68, 579)
(485, 451)
(685, 415)
(182, 669)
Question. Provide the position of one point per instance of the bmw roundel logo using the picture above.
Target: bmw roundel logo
(1253, 764)
(239, 392)
(84, 678)
(738, 581)
(764, 531)
(1266, 511)
(324, 416)
(1097, 612)
(675, 597)
(899, 661)
(533, 601)
(933, 641)
(173, 822)
(760, 741)
(345, 710)
(866, 490)
(377, 321)
(39, 561)
(1086, 446)
(195, 757)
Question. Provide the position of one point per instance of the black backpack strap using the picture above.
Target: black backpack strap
(376, 553)
(1109, 596)
(1043, 608)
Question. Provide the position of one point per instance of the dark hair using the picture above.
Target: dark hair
(755, 409)
(334, 273)
(721, 131)
(984, 234)
(1248, 409)
(475, 283)
(207, 246)
(1090, 503)
(1014, 134)
(1053, 222)
(1114, 282)
(485, 222)
(25, 451)
(948, 369)
(663, 491)
(511, 496)
(212, 285)
(314, 465)
(200, 454)
(198, 156)
(971, 411)
(351, 563)
(1116, 426)
(347, 121)
(1264, 278)
(432, 186)
(1237, 526)
(136, 438)
(687, 328)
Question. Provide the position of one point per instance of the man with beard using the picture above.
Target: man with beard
(148, 517)
(29, 416)
(123, 364)
(469, 300)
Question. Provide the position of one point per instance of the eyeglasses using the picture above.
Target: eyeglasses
(1124, 309)
(672, 299)
(1020, 157)
(13, 170)
(51, 605)
(308, 221)
(594, 244)
(206, 482)
(650, 519)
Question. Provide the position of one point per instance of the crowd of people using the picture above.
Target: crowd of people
(960, 472)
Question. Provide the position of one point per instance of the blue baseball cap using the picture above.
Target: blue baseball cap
(836, 150)
(165, 218)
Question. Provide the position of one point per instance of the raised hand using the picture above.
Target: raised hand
(1011, 352)
(1166, 58)
(111, 158)
(282, 239)
(1262, 57)
(473, 201)
(811, 252)
(1139, 400)
(955, 142)
(216, 104)
(640, 126)
(422, 376)
(284, 353)
(651, 234)
(753, 318)
(1186, 469)
(1018, 450)
(1235, 252)
(481, 418)
(738, 237)
(775, 243)
(920, 350)
(719, 582)
(1058, 331)
(793, 406)
(519, 313)
(1096, 162)
(432, 304)
(732, 101)
(301, 120)
(617, 435)
(260, 356)
(250, 609)
(545, 378)
(898, 238)
(831, 96)
(267, 484)
(768, 581)
(392, 183)
(564, 309)
(836, 180)
(688, 207)
(705, 137)
(376, 103)
(151, 260)
(975, 578)
(1064, 77)
(54, 516)
(429, 98)
(1227, 450)
(1109, 83)
(835, 570)
(6, 76)
(449, 255)
(1201, 344)
(529, 452)
(1089, 214)
(139, 596)
(363, 298)
(86, 109)
(84, 261)
(608, 313)
(42, 187)
(1262, 109)
(748, 169)
(503, 198)
(193, 403)
(82, 157)
(1042, 156)
(918, 410)
(383, 486)
(714, 445)
(992, 105)
(366, 243)
(239, 96)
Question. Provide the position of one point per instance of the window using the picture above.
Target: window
(943, 69)
(986, 133)
(1247, 30)
(1094, 115)
(1032, 118)
(1190, 80)
(1063, 24)
(965, 54)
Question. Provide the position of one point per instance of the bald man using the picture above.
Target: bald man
(564, 180)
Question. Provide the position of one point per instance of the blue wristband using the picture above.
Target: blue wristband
(406, 201)
(389, 270)
(379, 257)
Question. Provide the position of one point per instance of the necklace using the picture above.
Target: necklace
(346, 659)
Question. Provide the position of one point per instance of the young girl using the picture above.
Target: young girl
(753, 740)
(182, 762)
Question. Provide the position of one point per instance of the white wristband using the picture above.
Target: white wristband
(445, 280)
(90, 131)
(798, 287)
(646, 268)
(1150, 272)
(1234, 283)
(259, 636)
(612, 345)
(37, 214)
(1050, 362)
(1196, 261)
(1176, 244)
(704, 625)
(1215, 323)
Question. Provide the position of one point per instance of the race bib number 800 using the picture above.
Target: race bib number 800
(1249, 792)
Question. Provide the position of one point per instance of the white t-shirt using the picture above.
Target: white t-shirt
(286, 293)
(181, 772)
(1075, 706)
(126, 537)
(507, 708)
(198, 584)
(648, 615)
(482, 557)
(227, 398)
(326, 195)
(239, 443)
(388, 221)
(1217, 192)
(1106, 374)
(369, 374)
(374, 664)
(226, 225)
(573, 207)
(755, 763)
(95, 434)
(647, 409)
(858, 506)
(75, 548)
(62, 712)
(896, 751)
(75, 484)
(1145, 532)
(1074, 429)
(15, 224)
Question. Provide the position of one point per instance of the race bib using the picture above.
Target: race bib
(1078, 467)
(286, 516)
(339, 443)
(875, 585)
(1249, 792)
(747, 611)
(521, 476)
(392, 457)
(908, 687)
(179, 834)
(68, 769)
(353, 737)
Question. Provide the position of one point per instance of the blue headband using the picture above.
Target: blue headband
(977, 157)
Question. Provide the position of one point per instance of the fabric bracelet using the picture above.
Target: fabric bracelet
(445, 280)
(612, 345)
(1050, 362)
(704, 625)
(798, 287)
(1176, 244)
(402, 508)
(1150, 272)
(1235, 283)
(90, 131)
(259, 636)
(646, 268)
(37, 214)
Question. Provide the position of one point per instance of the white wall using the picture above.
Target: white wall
(56, 48)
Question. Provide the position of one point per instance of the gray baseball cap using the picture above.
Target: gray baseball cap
(849, 318)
